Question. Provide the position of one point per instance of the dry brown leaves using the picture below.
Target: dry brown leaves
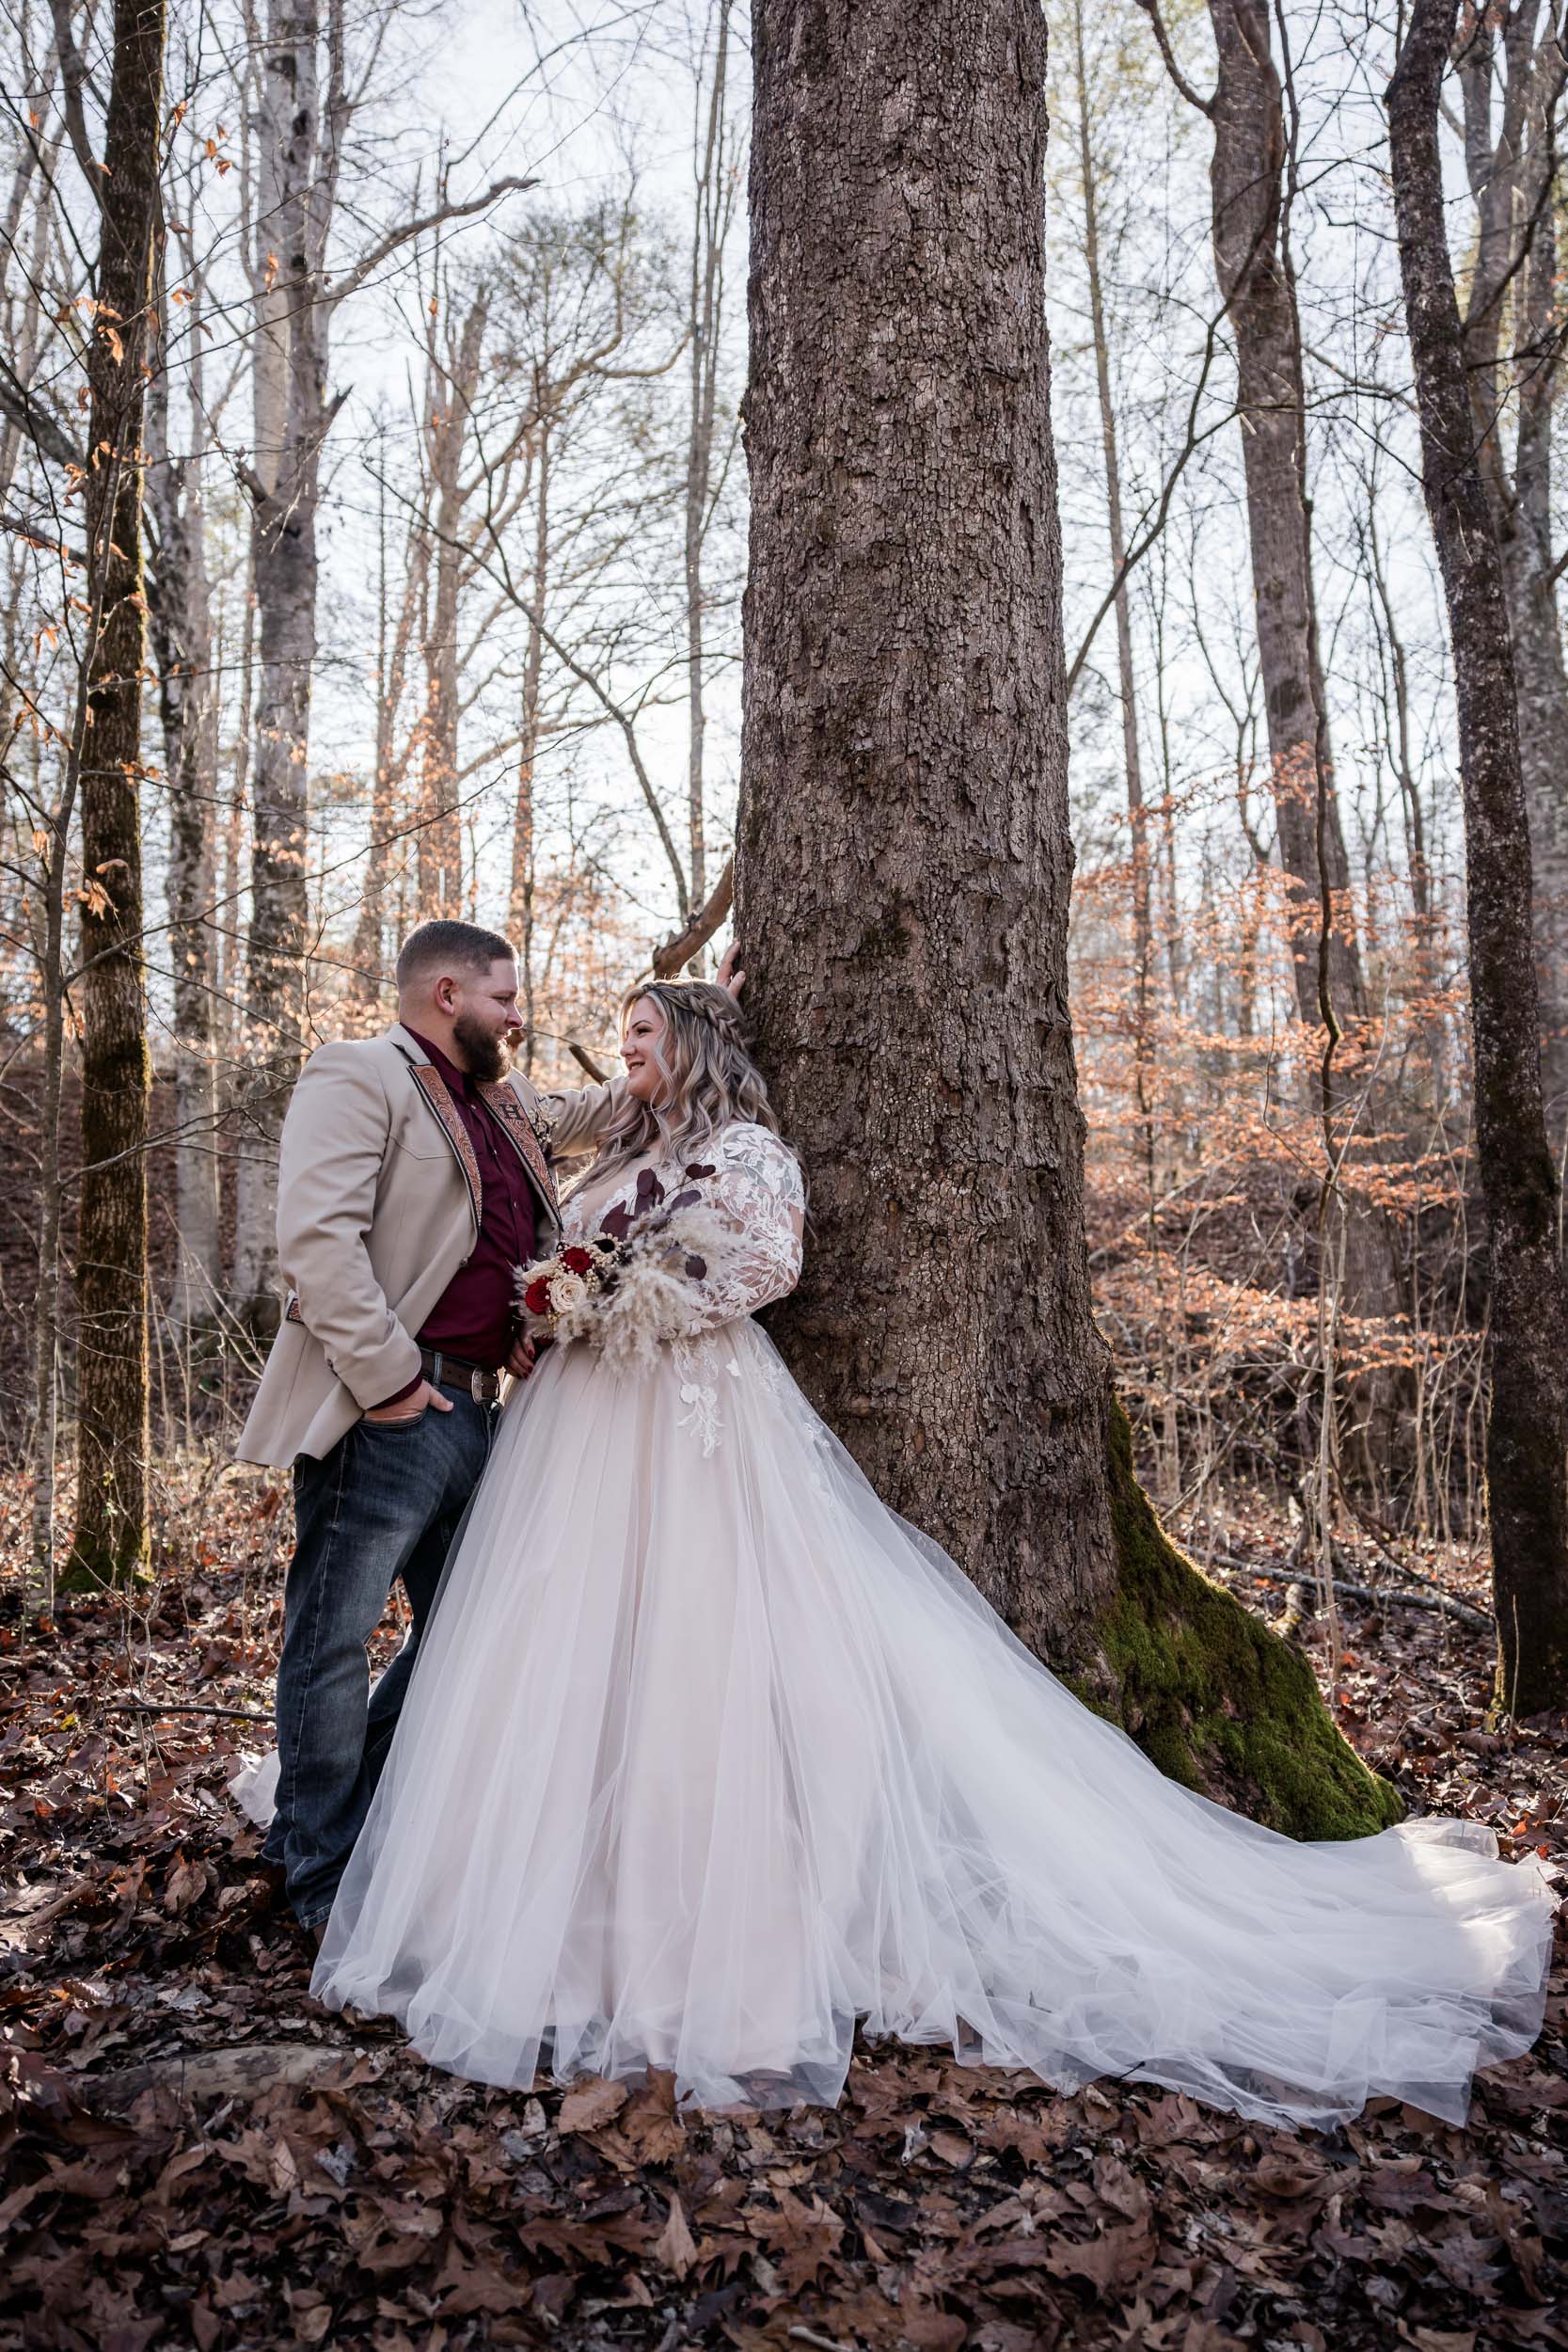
(196, 2157)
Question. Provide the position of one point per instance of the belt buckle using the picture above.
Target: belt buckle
(477, 1381)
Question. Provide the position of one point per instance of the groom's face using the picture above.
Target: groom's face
(487, 1023)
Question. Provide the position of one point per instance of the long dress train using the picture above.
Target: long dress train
(709, 1754)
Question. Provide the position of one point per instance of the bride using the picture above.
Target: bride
(709, 1755)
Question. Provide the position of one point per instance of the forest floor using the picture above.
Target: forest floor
(195, 2155)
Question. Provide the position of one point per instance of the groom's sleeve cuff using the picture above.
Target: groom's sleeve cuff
(366, 1371)
(398, 1394)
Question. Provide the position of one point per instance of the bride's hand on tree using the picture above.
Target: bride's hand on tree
(728, 977)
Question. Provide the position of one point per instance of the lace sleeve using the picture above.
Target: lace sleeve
(758, 1200)
(721, 1244)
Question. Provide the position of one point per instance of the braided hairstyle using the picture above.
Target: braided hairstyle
(711, 1078)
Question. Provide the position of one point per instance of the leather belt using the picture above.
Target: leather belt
(456, 1372)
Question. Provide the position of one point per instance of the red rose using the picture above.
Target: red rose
(536, 1298)
(577, 1259)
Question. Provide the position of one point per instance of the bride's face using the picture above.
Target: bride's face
(643, 1044)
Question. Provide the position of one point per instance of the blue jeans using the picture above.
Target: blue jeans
(384, 1502)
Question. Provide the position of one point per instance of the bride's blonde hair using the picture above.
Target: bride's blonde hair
(713, 1078)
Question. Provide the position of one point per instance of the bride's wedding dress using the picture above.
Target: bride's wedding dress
(708, 1755)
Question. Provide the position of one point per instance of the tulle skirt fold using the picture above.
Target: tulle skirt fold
(709, 1755)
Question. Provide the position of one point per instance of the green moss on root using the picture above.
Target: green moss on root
(1216, 1699)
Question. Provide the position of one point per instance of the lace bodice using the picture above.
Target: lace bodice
(750, 1184)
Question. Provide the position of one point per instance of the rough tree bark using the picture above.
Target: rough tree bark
(1526, 1433)
(112, 1536)
(903, 872)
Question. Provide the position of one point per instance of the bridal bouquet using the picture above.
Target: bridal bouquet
(630, 1289)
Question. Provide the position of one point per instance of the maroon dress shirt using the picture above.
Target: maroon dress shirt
(475, 1315)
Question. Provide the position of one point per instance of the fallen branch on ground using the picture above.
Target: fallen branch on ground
(141, 1704)
(242, 2073)
(1444, 1603)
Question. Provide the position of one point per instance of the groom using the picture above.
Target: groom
(415, 1173)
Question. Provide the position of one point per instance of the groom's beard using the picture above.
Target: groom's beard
(487, 1056)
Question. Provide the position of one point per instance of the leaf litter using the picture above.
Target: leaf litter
(193, 2154)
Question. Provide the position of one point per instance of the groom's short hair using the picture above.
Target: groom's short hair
(449, 947)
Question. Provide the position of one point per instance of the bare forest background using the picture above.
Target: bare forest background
(442, 549)
(383, 384)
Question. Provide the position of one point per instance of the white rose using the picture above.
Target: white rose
(567, 1291)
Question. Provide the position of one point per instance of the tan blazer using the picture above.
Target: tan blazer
(378, 1204)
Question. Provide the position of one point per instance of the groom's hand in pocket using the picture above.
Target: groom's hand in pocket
(410, 1408)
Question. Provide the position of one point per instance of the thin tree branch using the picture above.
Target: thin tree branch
(17, 403)
(74, 74)
(682, 945)
(386, 245)
(1192, 96)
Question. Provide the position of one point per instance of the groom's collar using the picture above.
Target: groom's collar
(454, 1080)
(423, 1054)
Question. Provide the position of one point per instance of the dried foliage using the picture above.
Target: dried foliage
(196, 2155)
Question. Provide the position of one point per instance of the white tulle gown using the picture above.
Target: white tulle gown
(708, 1755)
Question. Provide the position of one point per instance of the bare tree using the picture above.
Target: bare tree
(1252, 265)
(297, 157)
(454, 381)
(112, 1534)
(1142, 932)
(1251, 180)
(300, 136)
(180, 597)
(1511, 165)
(1526, 1435)
(716, 178)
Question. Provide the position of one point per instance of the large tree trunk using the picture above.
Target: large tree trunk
(182, 641)
(904, 864)
(284, 498)
(1527, 1438)
(112, 1535)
